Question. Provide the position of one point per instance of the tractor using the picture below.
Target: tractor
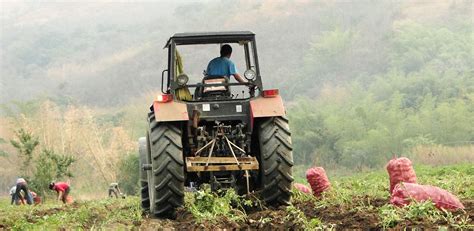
(214, 136)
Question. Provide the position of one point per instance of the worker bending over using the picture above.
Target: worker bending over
(62, 189)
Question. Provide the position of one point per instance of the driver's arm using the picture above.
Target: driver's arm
(239, 78)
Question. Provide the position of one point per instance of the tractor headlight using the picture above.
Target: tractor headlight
(250, 74)
(182, 79)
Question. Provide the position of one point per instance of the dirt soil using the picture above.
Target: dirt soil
(255, 221)
(343, 219)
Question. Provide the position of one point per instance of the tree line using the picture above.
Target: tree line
(424, 95)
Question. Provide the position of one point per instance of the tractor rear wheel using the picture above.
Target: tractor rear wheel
(276, 161)
(166, 180)
(143, 153)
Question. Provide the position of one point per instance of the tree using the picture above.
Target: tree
(25, 144)
(50, 166)
(128, 174)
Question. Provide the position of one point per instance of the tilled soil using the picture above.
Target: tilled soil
(341, 218)
(337, 216)
(255, 221)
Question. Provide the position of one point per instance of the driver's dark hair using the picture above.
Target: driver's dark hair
(226, 50)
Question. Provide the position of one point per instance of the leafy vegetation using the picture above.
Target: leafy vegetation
(365, 197)
(207, 206)
(50, 166)
(40, 170)
(298, 217)
(128, 174)
(79, 215)
(390, 215)
(69, 140)
(25, 145)
(355, 202)
(424, 96)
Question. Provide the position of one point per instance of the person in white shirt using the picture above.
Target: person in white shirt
(12, 193)
(21, 185)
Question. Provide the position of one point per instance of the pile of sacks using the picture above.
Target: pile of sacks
(318, 181)
(302, 188)
(400, 170)
(403, 186)
(404, 189)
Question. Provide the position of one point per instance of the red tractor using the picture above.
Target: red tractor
(213, 136)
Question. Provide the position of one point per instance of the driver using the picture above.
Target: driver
(223, 66)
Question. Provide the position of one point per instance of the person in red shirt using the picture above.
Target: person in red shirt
(62, 188)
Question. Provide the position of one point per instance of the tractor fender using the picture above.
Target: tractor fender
(267, 107)
(170, 111)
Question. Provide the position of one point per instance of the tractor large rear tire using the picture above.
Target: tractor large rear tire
(143, 153)
(276, 161)
(166, 180)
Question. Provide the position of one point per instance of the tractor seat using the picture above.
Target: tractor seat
(215, 81)
(215, 90)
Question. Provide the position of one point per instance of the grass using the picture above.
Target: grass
(390, 215)
(79, 215)
(368, 193)
(363, 194)
(438, 155)
(458, 179)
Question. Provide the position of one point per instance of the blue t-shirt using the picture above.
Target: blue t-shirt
(221, 66)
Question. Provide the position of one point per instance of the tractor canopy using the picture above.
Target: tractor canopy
(211, 37)
(177, 74)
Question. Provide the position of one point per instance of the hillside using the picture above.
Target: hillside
(103, 54)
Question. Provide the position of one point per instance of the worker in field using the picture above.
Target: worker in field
(62, 189)
(22, 187)
(223, 66)
(21, 199)
(13, 195)
(36, 198)
(114, 190)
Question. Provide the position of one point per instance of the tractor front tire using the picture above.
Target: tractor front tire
(143, 153)
(276, 161)
(166, 180)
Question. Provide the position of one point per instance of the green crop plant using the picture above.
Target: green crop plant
(361, 194)
(422, 210)
(207, 206)
(92, 214)
(297, 217)
(264, 220)
(389, 216)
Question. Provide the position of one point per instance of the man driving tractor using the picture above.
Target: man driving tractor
(223, 66)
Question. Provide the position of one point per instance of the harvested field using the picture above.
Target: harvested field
(355, 202)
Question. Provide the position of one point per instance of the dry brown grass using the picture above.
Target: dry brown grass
(443, 155)
(74, 130)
